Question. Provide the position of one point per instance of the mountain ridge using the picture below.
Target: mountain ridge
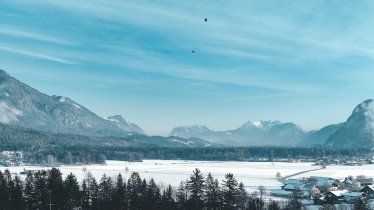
(260, 133)
(25, 106)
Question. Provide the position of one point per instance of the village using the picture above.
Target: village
(11, 158)
(316, 190)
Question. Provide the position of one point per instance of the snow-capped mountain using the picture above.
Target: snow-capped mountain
(27, 107)
(266, 124)
(262, 133)
(358, 130)
(320, 137)
(124, 124)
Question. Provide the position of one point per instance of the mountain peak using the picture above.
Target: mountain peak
(3, 74)
(121, 122)
(118, 119)
(25, 106)
(247, 125)
(358, 130)
(266, 124)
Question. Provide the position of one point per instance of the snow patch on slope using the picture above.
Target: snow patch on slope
(8, 114)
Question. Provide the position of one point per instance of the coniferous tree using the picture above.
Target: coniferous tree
(105, 192)
(167, 200)
(230, 191)
(72, 193)
(56, 188)
(273, 205)
(134, 186)
(119, 194)
(29, 192)
(242, 196)
(196, 187)
(94, 191)
(16, 193)
(4, 192)
(152, 196)
(89, 192)
(182, 195)
(85, 196)
(212, 193)
(41, 189)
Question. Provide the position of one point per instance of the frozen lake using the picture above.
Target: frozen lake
(252, 174)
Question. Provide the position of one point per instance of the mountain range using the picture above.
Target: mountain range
(25, 107)
(262, 133)
(28, 111)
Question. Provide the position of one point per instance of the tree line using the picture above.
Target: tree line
(48, 189)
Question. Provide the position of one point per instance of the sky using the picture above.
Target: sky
(307, 62)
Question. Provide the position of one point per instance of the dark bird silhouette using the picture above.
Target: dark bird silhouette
(193, 51)
(206, 19)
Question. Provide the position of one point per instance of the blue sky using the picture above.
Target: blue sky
(309, 62)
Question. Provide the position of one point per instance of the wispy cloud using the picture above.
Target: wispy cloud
(36, 55)
(31, 35)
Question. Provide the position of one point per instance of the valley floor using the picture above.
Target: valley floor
(252, 174)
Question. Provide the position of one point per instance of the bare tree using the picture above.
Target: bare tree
(278, 175)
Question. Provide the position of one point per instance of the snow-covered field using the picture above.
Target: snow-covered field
(252, 174)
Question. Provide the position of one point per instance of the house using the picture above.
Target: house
(351, 184)
(335, 197)
(365, 181)
(369, 190)
(320, 200)
(351, 197)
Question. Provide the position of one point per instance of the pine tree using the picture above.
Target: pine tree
(119, 194)
(29, 192)
(72, 193)
(56, 188)
(242, 196)
(182, 195)
(212, 193)
(134, 186)
(273, 205)
(152, 196)
(85, 201)
(89, 192)
(105, 192)
(196, 187)
(41, 189)
(230, 192)
(167, 200)
(16, 193)
(4, 193)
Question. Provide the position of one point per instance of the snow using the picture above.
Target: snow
(252, 174)
(8, 114)
(62, 99)
(341, 172)
(339, 192)
(258, 124)
(182, 142)
(76, 106)
(65, 99)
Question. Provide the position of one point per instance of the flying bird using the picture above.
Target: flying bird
(206, 19)
(193, 51)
